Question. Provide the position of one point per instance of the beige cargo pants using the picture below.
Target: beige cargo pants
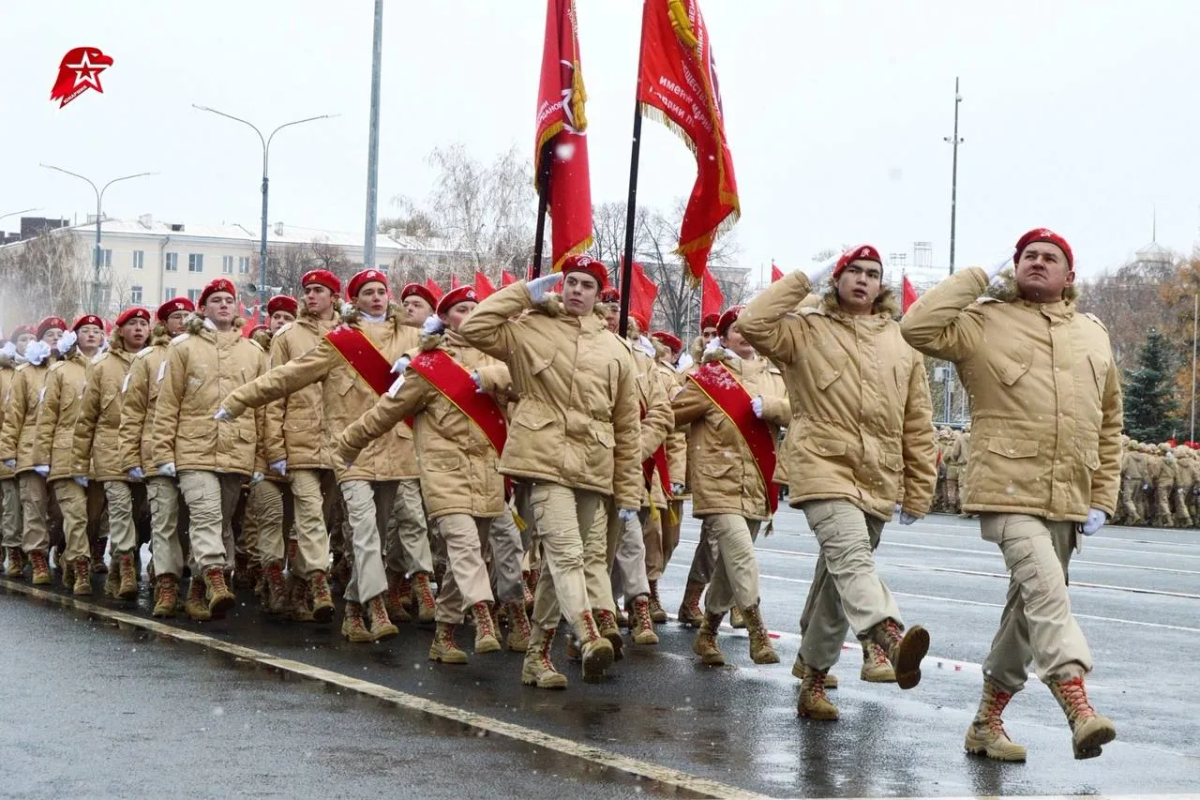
(10, 513)
(407, 531)
(369, 505)
(73, 502)
(122, 534)
(314, 493)
(465, 582)
(735, 576)
(211, 498)
(166, 545)
(35, 512)
(565, 518)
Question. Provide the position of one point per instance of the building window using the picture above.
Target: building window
(168, 293)
(172, 263)
(226, 265)
(139, 259)
(107, 258)
(195, 262)
(135, 295)
(244, 265)
(194, 295)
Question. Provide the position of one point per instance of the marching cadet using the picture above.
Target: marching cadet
(17, 441)
(735, 405)
(662, 535)
(1164, 486)
(136, 452)
(459, 428)
(58, 410)
(209, 459)
(956, 460)
(861, 437)
(96, 448)
(354, 364)
(1184, 485)
(11, 356)
(573, 436)
(299, 447)
(1046, 406)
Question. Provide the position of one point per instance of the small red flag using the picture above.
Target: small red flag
(483, 287)
(643, 293)
(712, 301)
(453, 282)
(678, 86)
(910, 295)
(251, 319)
(507, 278)
(776, 272)
(432, 286)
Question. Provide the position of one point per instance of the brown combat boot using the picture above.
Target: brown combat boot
(606, 623)
(1089, 730)
(736, 620)
(196, 607)
(813, 702)
(800, 670)
(426, 603)
(642, 626)
(904, 651)
(518, 628)
(339, 576)
(486, 640)
(128, 587)
(986, 736)
(298, 601)
(537, 669)
(98, 565)
(68, 575)
(395, 596)
(527, 594)
(276, 594)
(322, 599)
(658, 614)
(690, 613)
(82, 586)
(16, 563)
(381, 627)
(245, 574)
(875, 667)
(761, 649)
(167, 596)
(352, 624)
(112, 578)
(596, 650)
(445, 649)
(406, 594)
(705, 645)
(40, 567)
(220, 598)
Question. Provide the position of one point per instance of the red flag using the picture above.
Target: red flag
(506, 278)
(712, 301)
(560, 135)
(643, 293)
(776, 272)
(910, 295)
(678, 86)
(251, 320)
(432, 286)
(453, 281)
(483, 287)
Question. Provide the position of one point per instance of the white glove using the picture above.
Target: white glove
(820, 275)
(539, 287)
(82, 482)
(713, 346)
(400, 365)
(9, 350)
(757, 405)
(676, 488)
(222, 415)
(256, 477)
(685, 362)
(433, 325)
(907, 518)
(1095, 521)
(627, 515)
(478, 382)
(11, 463)
(998, 268)
(42, 469)
(136, 474)
(167, 469)
(279, 467)
(646, 345)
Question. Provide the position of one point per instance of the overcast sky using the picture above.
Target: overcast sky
(1081, 116)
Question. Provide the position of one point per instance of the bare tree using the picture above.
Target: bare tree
(43, 275)
(324, 255)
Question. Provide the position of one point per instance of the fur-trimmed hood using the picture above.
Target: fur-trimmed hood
(351, 315)
(1004, 288)
(159, 336)
(198, 323)
(885, 303)
(552, 306)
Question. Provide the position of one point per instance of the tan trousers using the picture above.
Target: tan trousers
(735, 578)
(265, 507)
(844, 533)
(1037, 626)
(661, 539)
(166, 545)
(35, 511)
(704, 559)
(626, 555)
(507, 550)
(122, 534)
(823, 623)
(564, 516)
(73, 502)
(465, 582)
(408, 532)
(10, 513)
(314, 493)
(211, 498)
(369, 505)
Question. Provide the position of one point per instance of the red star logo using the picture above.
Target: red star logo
(79, 71)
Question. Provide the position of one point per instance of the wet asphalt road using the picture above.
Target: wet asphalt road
(1136, 593)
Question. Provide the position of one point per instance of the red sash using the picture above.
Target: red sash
(727, 393)
(363, 356)
(656, 461)
(455, 383)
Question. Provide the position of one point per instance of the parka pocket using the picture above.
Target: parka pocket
(1100, 367)
(828, 364)
(1010, 366)
(825, 447)
(603, 433)
(1013, 448)
(441, 462)
(533, 414)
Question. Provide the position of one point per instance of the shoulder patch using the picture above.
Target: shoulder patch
(988, 299)
(145, 351)
(1096, 320)
(183, 337)
(287, 327)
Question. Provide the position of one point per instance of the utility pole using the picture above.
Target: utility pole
(955, 141)
(373, 143)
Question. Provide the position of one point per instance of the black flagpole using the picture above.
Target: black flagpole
(539, 235)
(631, 202)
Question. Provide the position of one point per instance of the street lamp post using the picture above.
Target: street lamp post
(14, 213)
(266, 147)
(956, 141)
(99, 216)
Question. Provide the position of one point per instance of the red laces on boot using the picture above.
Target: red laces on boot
(879, 656)
(1076, 697)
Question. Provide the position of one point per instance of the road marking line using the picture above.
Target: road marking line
(632, 766)
(1094, 545)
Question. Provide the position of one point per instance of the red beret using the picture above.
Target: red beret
(610, 295)
(50, 322)
(171, 306)
(709, 321)
(283, 302)
(322, 277)
(133, 312)
(88, 319)
(463, 294)
(728, 318)
(864, 252)
(22, 329)
(361, 279)
(591, 266)
(217, 285)
(1044, 235)
(640, 319)
(109, 326)
(669, 339)
(256, 329)
(420, 291)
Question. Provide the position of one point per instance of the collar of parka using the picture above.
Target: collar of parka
(310, 321)
(354, 316)
(1004, 288)
(552, 306)
(198, 324)
(885, 304)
